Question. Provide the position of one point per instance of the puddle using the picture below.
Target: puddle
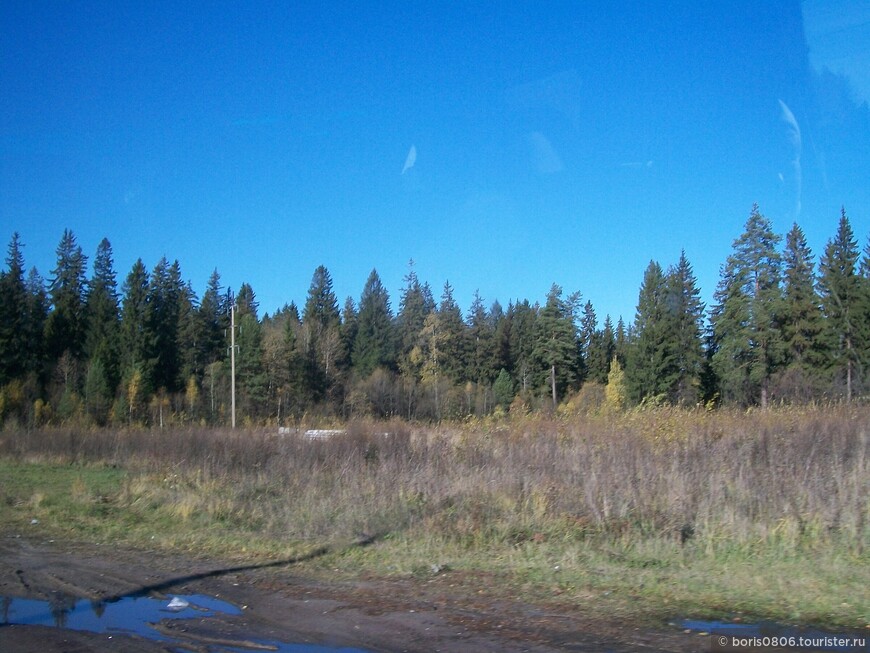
(129, 615)
(136, 615)
(780, 636)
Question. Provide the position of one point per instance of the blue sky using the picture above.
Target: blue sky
(502, 146)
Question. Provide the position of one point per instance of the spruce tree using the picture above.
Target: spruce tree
(747, 338)
(14, 323)
(521, 329)
(503, 389)
(586, 338)
(651, 369)
(497, 317)
(36, 317)
(213, 316)
(840, 291)
(97, 393)
(683, 302)
(481, 334)
(137, 341)
(601, 350)
(165, 293)
(415, 304)
(374, 345)
(65, 328)
(556, 350)
(801, 318)
(319, 339)
(251, 381)
(865, 311)
(246, 301)
(620, 341)
(348, 332)
(102, 338)
(295, 390)
(502, 339)
(453, 333)
(191, 335)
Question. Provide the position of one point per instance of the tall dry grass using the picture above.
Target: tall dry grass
(791, 477)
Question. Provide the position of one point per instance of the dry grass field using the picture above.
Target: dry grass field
(655, 514)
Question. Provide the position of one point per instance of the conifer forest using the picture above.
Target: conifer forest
(86, 344)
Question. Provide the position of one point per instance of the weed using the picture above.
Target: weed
(667, 510)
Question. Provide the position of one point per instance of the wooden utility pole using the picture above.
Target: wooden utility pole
(233, 362)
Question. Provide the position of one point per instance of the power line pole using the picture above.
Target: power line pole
(233, 361)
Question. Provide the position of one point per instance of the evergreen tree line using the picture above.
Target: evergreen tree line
(80, 348)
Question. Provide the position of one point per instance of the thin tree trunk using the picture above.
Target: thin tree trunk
(849, 380)
(553, 383)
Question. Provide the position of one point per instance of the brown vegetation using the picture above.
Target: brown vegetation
(655, 511)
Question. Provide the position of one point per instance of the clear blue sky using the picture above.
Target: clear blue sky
(502, 146)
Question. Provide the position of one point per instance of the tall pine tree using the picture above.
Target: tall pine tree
(840, 291)
(320, 338)
(801, 319)
(102, 338)
(13, 315)
(652, 367)
(165, 294)
(454, 337)
(556, 349)
(251, 380)
(374, 345)
(481, 333)
(65, 328)
(683, 299)
(747, 336)
(137, 340)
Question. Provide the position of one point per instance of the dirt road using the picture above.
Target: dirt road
(279, 608)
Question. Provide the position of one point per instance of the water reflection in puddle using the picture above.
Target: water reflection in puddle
(134, 615)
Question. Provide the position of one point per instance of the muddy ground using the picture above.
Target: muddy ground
(279, 604)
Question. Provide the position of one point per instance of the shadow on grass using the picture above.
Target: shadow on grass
(215, 573)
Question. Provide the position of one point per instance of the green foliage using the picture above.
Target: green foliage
(155, 353)
(65, 327)
(520, 329)
(163, 311)
(136, 337)
(14, 323)
(103, 335)
(251, 381)
(665, 358)
(319, 340)
(841, 293)
(802, 321)
(748, 346)
(503, 389)
(481, 338)
(416, 303)
(453, 338)
(556, 351)
(652, 361)
(374, 344)
(97, 393)
(213, 317)
(686, 313)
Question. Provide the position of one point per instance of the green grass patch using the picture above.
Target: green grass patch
(100, 504)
